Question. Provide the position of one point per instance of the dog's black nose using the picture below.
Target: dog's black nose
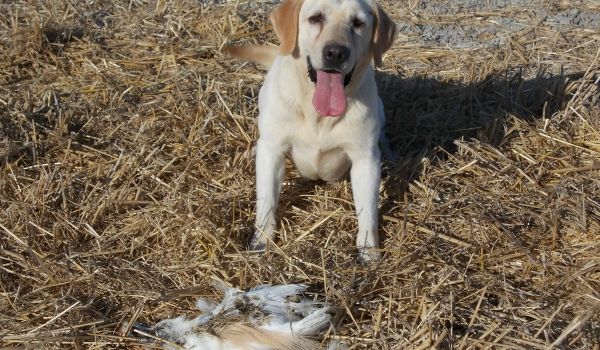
(335, 55)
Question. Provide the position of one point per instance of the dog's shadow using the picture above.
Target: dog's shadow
(425, 117)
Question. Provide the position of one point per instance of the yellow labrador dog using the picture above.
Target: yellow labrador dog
(319, 104)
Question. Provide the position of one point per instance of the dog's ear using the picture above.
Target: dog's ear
(383, 35)
(285, 22)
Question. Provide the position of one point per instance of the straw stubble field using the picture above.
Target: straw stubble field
(126, 154)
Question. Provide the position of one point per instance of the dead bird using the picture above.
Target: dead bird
(262, 318)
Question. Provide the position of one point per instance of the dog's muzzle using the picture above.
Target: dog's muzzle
(312, 73)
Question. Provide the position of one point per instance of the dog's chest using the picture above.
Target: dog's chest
(319, 154)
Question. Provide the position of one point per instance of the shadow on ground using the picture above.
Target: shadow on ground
(425, 116)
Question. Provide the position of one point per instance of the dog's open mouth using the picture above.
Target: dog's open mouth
(329, 98)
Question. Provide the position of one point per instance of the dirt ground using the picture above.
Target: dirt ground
(127, 180)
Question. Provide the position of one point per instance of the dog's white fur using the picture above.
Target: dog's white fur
(321, 147)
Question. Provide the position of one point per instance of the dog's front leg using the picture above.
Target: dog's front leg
(270, 166)
(365, 176)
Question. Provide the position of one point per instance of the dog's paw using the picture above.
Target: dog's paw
(367, 256)
(258, 244)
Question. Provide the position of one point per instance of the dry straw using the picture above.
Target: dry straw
(126, 180)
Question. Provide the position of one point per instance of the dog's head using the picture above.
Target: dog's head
(332, 37)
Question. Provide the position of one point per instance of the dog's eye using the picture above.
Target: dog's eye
(357, 23)
(315, 19)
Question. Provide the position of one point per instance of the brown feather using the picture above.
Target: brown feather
(240, 335)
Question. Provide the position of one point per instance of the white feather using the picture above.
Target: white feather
(205, 305)
(262, 318)
(309, 325)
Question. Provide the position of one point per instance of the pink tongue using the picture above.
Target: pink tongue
(329, 98)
